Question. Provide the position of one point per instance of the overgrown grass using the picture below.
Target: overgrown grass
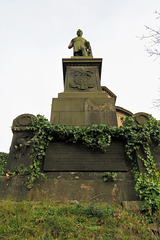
(48, 220)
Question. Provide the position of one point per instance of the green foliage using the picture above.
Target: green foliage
(109, 176)
(97, 211)
(22, 171)
(95, 137)
(3, 163)
(48, 220)
(148, 184)
(99, 137)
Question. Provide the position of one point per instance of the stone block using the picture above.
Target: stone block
(82, 78)
(82, 111)
(64, 187)
(100, 117)
(72, 118)
(135, 206)
(55, 116)
(81, 62)
(68, 104)
(89, 95)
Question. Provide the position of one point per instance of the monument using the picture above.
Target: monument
(74, 171)
(83, 102)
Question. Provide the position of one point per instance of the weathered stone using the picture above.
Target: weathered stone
(135, 206)
(21, 147)
(23, 120)
(141, 118)
(88, 95)
(83, 111)
(77, 157)
(20, 151)
(83, 103)
(85, 64)
(67, 188)
(82, 78)
(100, 117)
(68, 118)
(66, 104)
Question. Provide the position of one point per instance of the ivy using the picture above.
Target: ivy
(3, 162)
(99, 137)
(148, 184)
(109, 176)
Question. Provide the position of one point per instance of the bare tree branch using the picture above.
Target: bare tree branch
(153, 35)
(153, 49)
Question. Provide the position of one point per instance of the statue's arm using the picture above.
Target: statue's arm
(70, 45)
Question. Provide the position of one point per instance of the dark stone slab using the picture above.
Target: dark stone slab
(77, 157)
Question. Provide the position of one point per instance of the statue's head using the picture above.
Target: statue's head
(79, 33)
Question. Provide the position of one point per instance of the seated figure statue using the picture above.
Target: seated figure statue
(80, 45)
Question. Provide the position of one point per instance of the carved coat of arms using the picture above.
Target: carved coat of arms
(82, 79)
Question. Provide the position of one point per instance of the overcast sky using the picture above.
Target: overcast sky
(34, 35)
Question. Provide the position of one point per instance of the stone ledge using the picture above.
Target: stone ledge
(62, 188)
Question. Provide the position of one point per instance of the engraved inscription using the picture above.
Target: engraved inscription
(77, 157)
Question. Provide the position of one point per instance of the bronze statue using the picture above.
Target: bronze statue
(80, 45)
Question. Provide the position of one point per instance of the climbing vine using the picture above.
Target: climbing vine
(134, 136)
(3, 162)
(147, 185)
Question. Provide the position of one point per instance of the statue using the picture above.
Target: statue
(80, 45)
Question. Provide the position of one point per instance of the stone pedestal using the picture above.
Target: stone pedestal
(83, 103)
(82, 74)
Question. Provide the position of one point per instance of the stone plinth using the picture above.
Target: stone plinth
(83, 109)
(68, 186)
(82, 74)
(83, 103)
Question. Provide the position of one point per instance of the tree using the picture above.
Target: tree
(153, 49)
(154, 39)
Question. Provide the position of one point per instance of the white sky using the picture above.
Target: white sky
(34, 35)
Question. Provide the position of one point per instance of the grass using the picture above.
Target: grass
(48, 220)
